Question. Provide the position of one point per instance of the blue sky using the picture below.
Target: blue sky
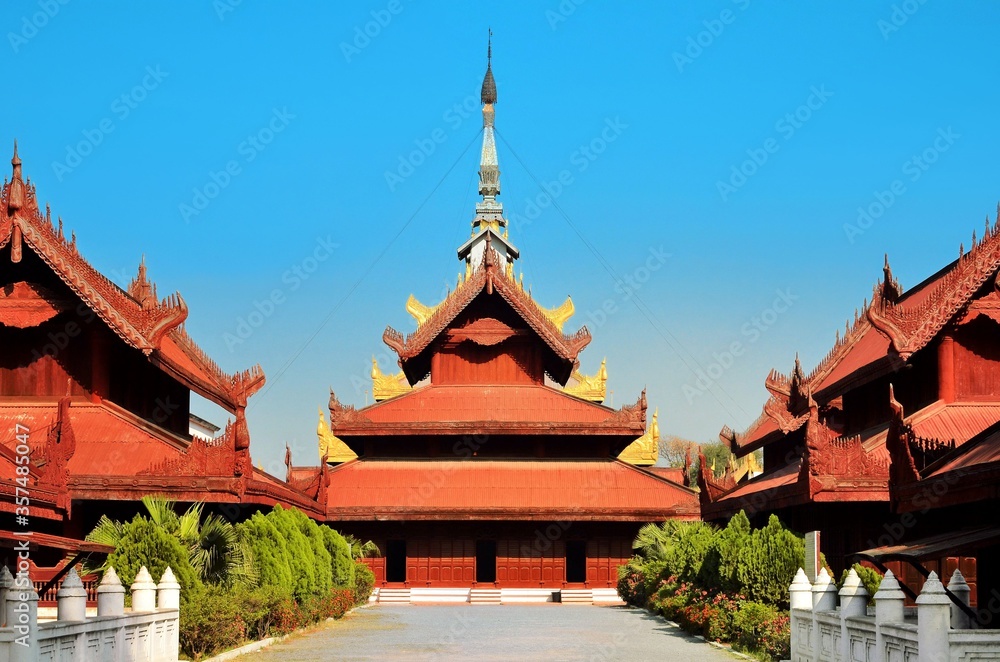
(287, 118)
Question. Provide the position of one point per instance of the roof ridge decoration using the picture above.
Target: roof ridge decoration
(135, 314)
(910, 329)
(60, 446)
(644, 451)
(711, 488)
(331, 448)
(902, 468)
(590, 387)
(829, 454)
(387, 386)
(228, 455)
(487, 276)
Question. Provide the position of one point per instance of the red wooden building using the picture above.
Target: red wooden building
(828, 437)
(478, 470)
(95, 387)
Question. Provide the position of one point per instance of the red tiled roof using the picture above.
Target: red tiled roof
(779, 477)
(959, 421)
(491, 409)
(503, 489)
(109, 440)
(982, 452)
(871, 347)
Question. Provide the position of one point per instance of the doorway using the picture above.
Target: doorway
(395, 561)
(576, 561)
(486, 561)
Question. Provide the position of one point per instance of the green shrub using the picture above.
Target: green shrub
(769, 562)
(761, 628)
(143, 543)
(269, 550)
(722, 560)
(870, 579)
(301, 553)
(340, 554)
(364, 582)
(211, 622)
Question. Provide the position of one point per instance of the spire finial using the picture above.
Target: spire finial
(488, 94)
(16, 195)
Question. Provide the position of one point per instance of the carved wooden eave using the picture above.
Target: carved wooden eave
(135, 314)
(24, 305)
(644, 451)
(53, 463)
(488, 277)
(226, 456)
(912, 328)
(711, 488)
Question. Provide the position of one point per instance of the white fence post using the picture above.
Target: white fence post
(71, 598)
(143, 592)
(110, 595)
(6, 584)
(168, 591)
(824, 598)
(958, 586)
(853, 603)
(933, 621)
(799, 597)
(888, 609)
(22, 615)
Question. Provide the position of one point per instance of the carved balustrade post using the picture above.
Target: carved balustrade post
(889, 600)
(110, 595)
(71, 598)
(958, 586)
(933, 621)
(143, 592)
(799, 597)
(853, 603)
(824, 598)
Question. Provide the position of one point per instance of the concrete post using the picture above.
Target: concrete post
(22, 616)
(799, 597)
(110, 595)
(889, 600)
(853, 603)
(958, 586)
(933, 621)
(71, 599)
(824, 598)
(168, 591)
(143, 592)
(6, 584)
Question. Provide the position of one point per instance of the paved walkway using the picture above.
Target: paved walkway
(504, 632)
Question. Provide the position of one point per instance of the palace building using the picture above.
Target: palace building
(95, 389)
(488, 469)
(889, 447)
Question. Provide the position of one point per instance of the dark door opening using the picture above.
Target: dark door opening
(486, 561)
(395, 561)
(576, 561)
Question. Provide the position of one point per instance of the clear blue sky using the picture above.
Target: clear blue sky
(345, 109)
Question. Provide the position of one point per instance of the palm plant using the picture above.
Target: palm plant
(362, 550)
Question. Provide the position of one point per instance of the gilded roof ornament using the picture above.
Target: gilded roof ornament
(559, 314)
(420, 312)
(593, 388)
(387, 386)
(644, 451)
(331, 448)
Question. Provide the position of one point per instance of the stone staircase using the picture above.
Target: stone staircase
(485, 596)
(394, 596)
(576, 596)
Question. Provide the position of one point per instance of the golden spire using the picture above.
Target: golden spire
(644, 451)
(387, 386)
(331, 448)
(593, 388)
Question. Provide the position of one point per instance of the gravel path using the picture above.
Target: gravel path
(494, 632)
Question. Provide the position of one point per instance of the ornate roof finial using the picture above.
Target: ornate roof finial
(488, 95)
(15, 198)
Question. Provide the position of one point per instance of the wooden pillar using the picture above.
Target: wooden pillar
(946, 368)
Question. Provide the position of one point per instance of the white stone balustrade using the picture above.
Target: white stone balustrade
(828, 630)
(148, 633)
